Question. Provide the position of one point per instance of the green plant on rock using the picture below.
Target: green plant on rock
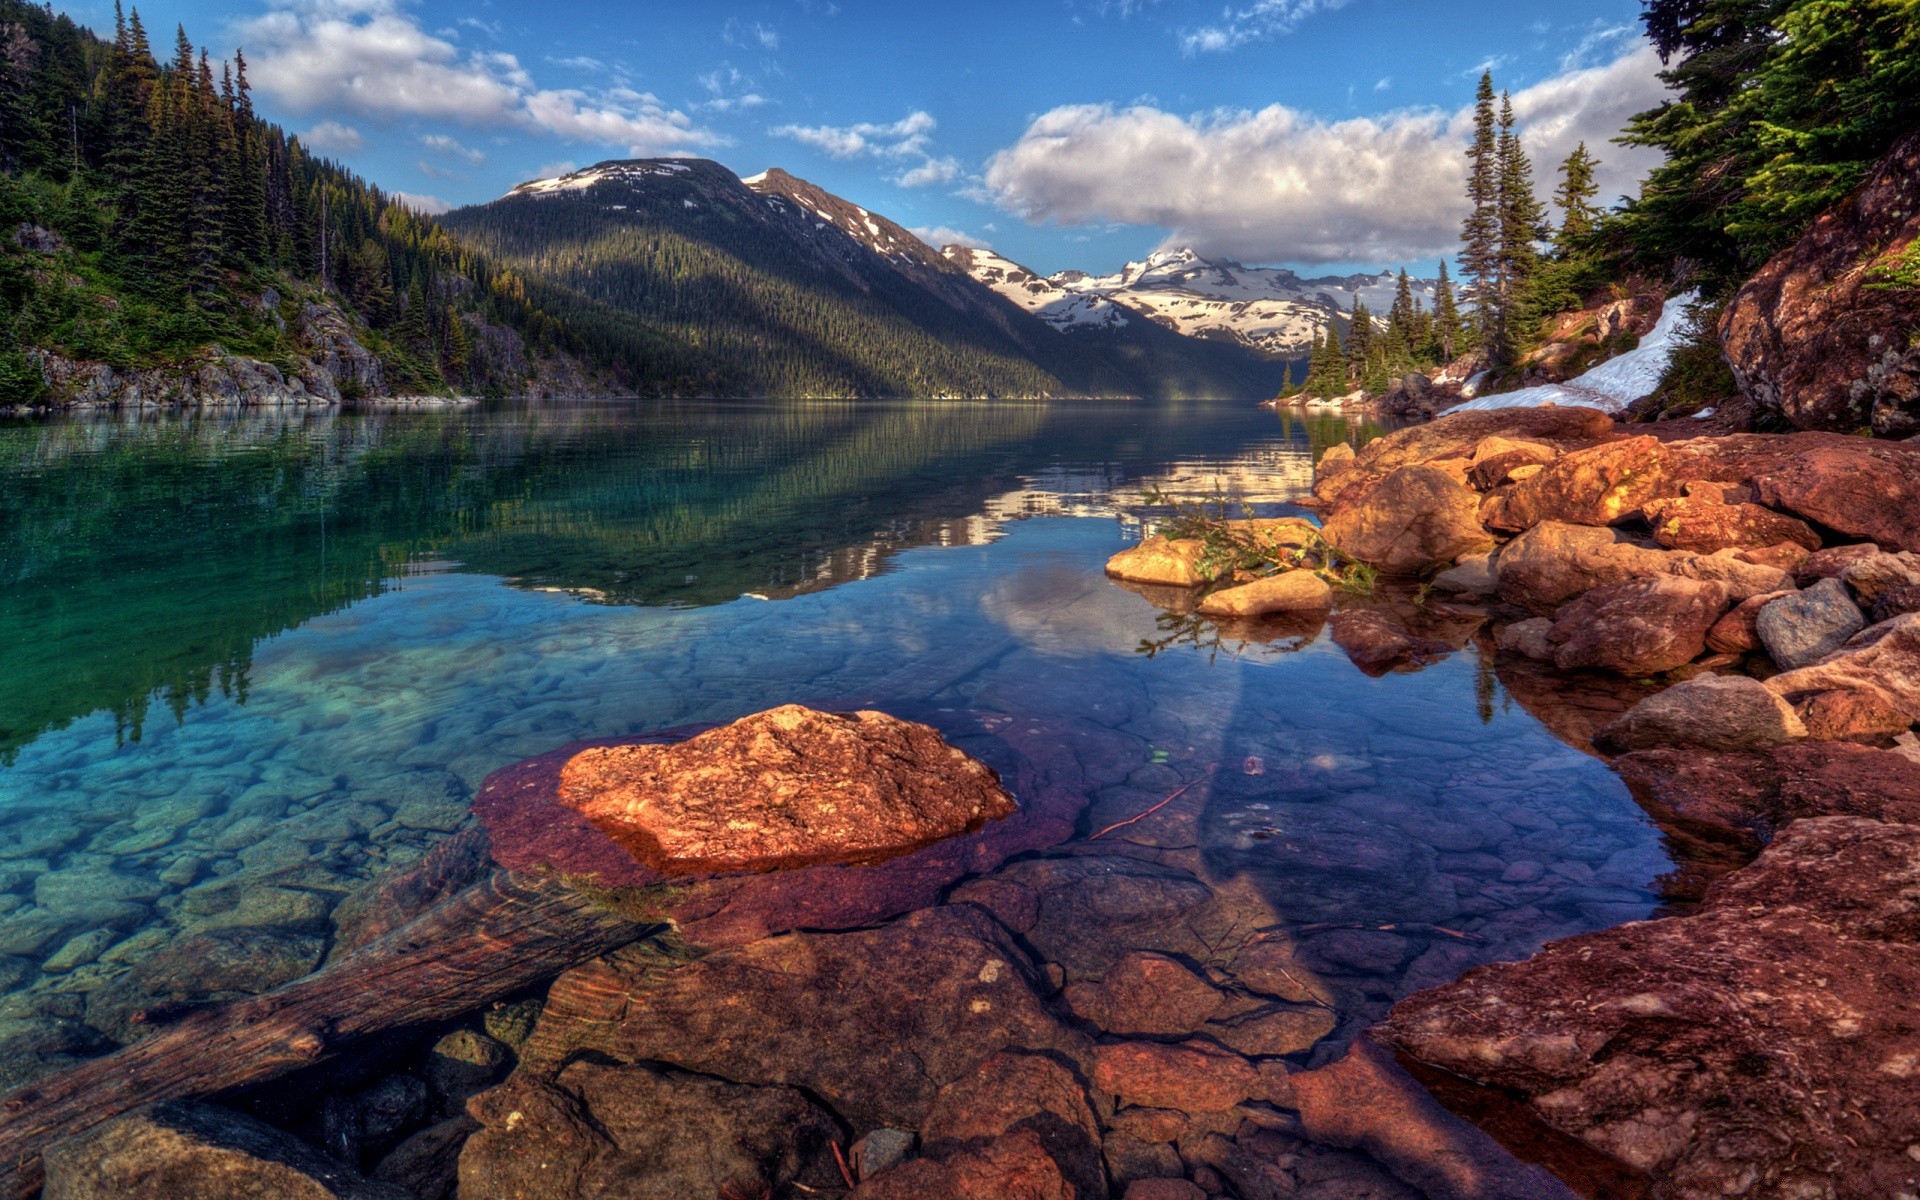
(1238, 550)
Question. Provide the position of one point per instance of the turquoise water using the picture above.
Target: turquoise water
(254, 659)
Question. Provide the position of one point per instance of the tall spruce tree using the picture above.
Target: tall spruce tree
(1446, 318)
(1480, 233)
(1574, 198)
(1522, 224)
(1359, 339)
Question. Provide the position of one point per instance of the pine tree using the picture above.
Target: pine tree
(1400, 317)
(1446, 318)
(1359, 339)
(1574, 199)
(1522, 223)
(1480, 234)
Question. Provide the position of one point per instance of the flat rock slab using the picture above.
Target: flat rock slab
(1755, 1048)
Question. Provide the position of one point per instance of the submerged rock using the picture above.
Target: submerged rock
(1377, 645)
(1746, 1050)
(783, 788)
(187, 1151)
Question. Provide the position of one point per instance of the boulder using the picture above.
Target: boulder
(1743, 579)
(1193, 1077)
(188, 1151)
(1896, 602)
(1875, 575)
(1711, 712)
(427, 1165)
(873, 1022)
(1376, 644)
(1884, 659)
(1172, 562)
(1289, 591)
(783, 788)
(1851, 715)
(1749, 1049)
(1017, 1165)
(1601, 485)
(602, 1129)
(1735, 633)
(1528, 637)
(1639, 627)
(1782, 556)
(1496, 458)
(1805, 627)
(1811, 338)
(1704, 526)
(1553, 562)
(1473, 576)
(1146, 994)
(1011, 1094)
(1831, 562)
(1414, 520)
(1457, 434)
(1852, 491)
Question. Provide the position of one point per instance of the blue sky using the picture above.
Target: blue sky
(1322, 134)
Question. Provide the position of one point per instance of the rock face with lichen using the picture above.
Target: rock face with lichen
(787, 787)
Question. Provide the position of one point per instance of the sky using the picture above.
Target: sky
(1325, 135)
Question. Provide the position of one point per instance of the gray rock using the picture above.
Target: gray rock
(1473, 575)
(1799, 630)
(464, 1063)
(1528, 637)
(220, 965)
(79, 951)
(371, 1121)
(34, 1046)
(879, 1150)
(427, 1164)
(187, 1151)
(1711, 712)
(80, 888)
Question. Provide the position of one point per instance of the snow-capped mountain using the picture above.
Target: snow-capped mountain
(1270, 309)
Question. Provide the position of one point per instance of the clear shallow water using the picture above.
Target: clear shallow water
(252, 660)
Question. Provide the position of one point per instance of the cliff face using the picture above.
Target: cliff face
(1827, 335)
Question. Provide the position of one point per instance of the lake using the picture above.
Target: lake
(253, 659)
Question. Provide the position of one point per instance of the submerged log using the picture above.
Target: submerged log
(496, 937)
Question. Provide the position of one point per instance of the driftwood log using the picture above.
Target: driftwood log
(463, 948)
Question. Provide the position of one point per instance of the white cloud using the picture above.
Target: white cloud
(431, 206)
(738, 33)
(1279, 185)
(1259, 20)
(331, 137)
(905, 139)
(440, 143)
(942, 236)
(373, 58)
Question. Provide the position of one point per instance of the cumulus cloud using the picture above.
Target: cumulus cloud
(905, 140)
(1280, 185)
(942, 236)
(431, 206)
(440, 143)
(1260, 20)
(331, 137)
(373, 58)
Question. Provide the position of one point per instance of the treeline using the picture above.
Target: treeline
(1373, 353)
(183, 209)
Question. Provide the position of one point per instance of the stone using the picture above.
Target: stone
(1194, 1077)
(1639, 627)
(1276, 1030)
(1012, 904)
(361, 1125)
(1273, 968)
(1601, 485)
(1528, 637)
(1496, 459)
(1553, 562)
(643, 1133)
(511, 1022)
(1012, 1093)
(1289, 591)
(1783, 556)
(880, 1150)
(1712, 712)
(463, 1063)
(1173, 562)
(1736, 632)
(1832, 562)
(1686, 523)
(1377, 645)
(1851, 491)
(427, 1164)
(1015, 1166)
(1884, 658)
(1812, 339)
(79, 951)
(221, 965)
(1721, 803)
(1742, 579)
(1803, 628)
(1163, 1189)
(189, 1151)
(1851, 715)
(1146, 994)
(1415, 520)
(1457, 434)
(1473, 575)
(873, 1022)
(1895, 602)
(1746, 1049)
(1873, 576)
(788, 787)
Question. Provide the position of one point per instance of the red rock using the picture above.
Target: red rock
(1146, 994)
(1601, 485)
(1685, 523)
(1287, 592)
(1639, 627)
(1163, 1189)
(1851, 715)
(1377, 645)
(1010, 1093)
(1194, 1077)
(1495, 460)
(1853, 491)
(1872, 577)
(1751, 1049)
(1896, 602)
(1884, 658)
(1012, 904)
(1273, 968)
(1015, 1167)
(1171, 563)
(783, 788)
(1712, 712)
(1416, 519)
(1811, 338)
(1456, 435)
(1831, 563)
(1784, 556)
(1735, 633)
(1553, 562)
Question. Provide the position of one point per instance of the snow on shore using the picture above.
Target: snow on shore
(1614, 384)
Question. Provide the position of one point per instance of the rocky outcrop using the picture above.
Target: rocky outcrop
(1813, 336)
(783, 788)
(1852, 490)
(1602, 485)
(1749, 1049)
(1415, 520)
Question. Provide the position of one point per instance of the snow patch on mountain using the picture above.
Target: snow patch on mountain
(580, 181)
(1614, 384)
(1042, 297)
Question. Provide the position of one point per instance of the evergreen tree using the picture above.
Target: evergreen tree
(1400, 318)
(1446, 318)
(1522, 223)
(1359, 339)
(1480, 234)
(1574, 198)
